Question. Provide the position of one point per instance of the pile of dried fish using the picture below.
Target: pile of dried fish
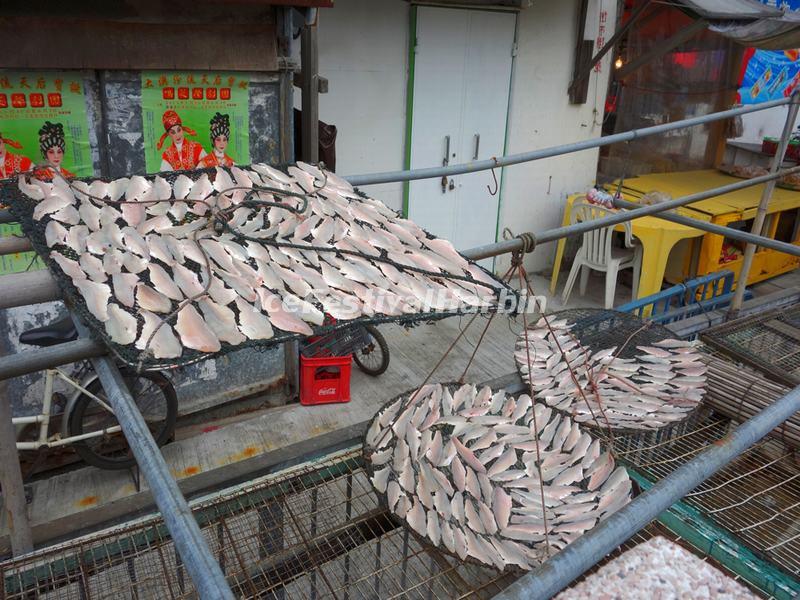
(460, 466)
(238, 254)
(657, 568)
(663, 384)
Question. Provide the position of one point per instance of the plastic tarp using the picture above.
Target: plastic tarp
(750, 22)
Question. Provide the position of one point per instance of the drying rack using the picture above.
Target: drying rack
(314, 531)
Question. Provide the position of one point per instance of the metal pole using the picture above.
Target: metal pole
(563, 568)
(14, 503)
(20, 289)
(557, 233)
(309, 68)
(742, 236)
(208, 579)
(513, 159)
(6, 217)
(14, 244)
(761, 213)
(31, 361)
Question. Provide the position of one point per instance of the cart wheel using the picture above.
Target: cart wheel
(373, 359)
(154, 396)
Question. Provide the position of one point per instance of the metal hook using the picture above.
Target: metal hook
(496, 186)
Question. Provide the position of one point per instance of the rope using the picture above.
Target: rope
(520, 271)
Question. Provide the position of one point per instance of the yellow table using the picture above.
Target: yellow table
(657, 237)
(724, 210)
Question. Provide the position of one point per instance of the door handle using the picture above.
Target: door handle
(477, 145)
(445, 162)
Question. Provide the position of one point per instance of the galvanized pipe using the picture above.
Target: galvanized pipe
(742, 236)
(513, 159)
(563, 568)
(31, 361)
(21, 289)
(27, 288)
(14, 244)
(204, 570)
(761, 213)
(552, 235)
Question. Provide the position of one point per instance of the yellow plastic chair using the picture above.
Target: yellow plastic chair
(598, 254)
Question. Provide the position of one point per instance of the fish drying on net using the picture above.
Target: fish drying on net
(238, 255)
(459, 465)
(662, 384)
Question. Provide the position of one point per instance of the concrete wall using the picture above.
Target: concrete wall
(363, 46)
(764, 123)
(541, 115)
(363, 51)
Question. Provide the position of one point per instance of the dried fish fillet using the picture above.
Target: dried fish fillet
(490, 517)
(646, 392)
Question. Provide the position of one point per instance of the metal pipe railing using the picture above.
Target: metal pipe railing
(761, 213)
(14, 244)
(204, 570)
(741, 236)
(21, 289)
(513, 159)
(39, 286)
(31, 361)
(552, 235)
(563, 568)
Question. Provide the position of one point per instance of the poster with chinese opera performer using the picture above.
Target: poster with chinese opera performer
(195, 119)
(43, 117)
(768, 75)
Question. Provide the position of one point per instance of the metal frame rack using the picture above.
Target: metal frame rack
(201, 564)
(315, 530)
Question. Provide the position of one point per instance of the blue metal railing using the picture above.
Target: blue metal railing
(687, 299)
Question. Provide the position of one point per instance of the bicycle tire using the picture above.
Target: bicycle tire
(377, 336)
(164, 431)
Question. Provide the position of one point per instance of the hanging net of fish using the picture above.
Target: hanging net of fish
(172, 269)
(491, 477)
(611, 370)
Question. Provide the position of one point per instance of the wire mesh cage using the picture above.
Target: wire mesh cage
(313, 531)
(769, 342)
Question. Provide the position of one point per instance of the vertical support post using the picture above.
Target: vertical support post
(286, 67)
(14, 505)
(309, 58)
(761, 213)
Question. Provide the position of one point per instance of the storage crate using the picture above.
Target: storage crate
(325, 380)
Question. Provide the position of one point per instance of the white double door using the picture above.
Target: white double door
(461, 85)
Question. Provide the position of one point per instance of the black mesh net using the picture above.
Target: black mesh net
(22, 207)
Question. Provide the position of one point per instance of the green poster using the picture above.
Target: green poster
(195, 119)
(43, 116)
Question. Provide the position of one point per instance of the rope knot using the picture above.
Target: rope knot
(528, 240)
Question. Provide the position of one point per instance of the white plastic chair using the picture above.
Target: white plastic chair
(598, 254)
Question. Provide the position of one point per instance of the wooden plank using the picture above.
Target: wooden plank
(29, 43)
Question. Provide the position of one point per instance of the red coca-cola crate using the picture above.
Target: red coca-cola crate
(325, 380)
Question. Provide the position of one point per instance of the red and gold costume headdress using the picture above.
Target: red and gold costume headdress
(170, 119)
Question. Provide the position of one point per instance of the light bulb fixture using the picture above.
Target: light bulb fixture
(618, 63)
